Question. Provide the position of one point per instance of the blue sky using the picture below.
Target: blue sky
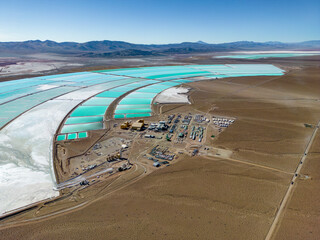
(160, 21)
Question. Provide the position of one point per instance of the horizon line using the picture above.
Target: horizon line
(275, 41)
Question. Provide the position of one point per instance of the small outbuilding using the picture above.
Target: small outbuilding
(156, 164)
(138, 125)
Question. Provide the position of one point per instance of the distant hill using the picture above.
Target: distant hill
(121, 53)
(120, 49)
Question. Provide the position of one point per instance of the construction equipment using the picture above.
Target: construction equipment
(124, 167)
(84, 182)
(195, 152)
(125, 125)
(168, 137)
(114, 157)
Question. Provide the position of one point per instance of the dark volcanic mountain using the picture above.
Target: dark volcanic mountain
(119, 49)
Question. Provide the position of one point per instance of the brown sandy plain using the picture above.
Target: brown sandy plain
(216, 197)
(302, 216)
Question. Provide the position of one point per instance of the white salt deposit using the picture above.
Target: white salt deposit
(26, 173)
(45, 87)
(173, 95)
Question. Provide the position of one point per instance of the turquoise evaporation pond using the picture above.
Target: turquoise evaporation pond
(135, 101)
(269, 55)
(217, 68)
(182, 81)
(139, 106)
(145, 110)
(82, 127)
(167, 69)
(72, 136)
(61, 137)
(141, 95)
(142, 83)
(132, 72)
(123, 89)
(64, 76)
(12, 109)
(109, 85)
(239, 70)
(174, 72)
(150, 90)
(132, 86)
(138, 115)
(233, 66)
(156, 86)
(14, 87)
(153, 89)
(179, 75)
(83, 111)
(157, 72)
(169, 78)
(143, 69)
(77, 120)
(170, 83)
(15, 82)
(188, 69)
(85, 78)
(70, 80)
(36, 83)
(4, 97)
(98, 101)
(150, 74)
(90, 83)
(119, 82)
(108, 94)
(31, 81)
(146, 82)
(82, 135)
(95, 105)
(119, 116)
(184, 76)
(101, 78)
(74, 77)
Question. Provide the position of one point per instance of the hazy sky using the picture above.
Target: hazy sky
(160, 21)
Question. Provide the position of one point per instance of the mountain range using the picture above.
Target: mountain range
(108, 48)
